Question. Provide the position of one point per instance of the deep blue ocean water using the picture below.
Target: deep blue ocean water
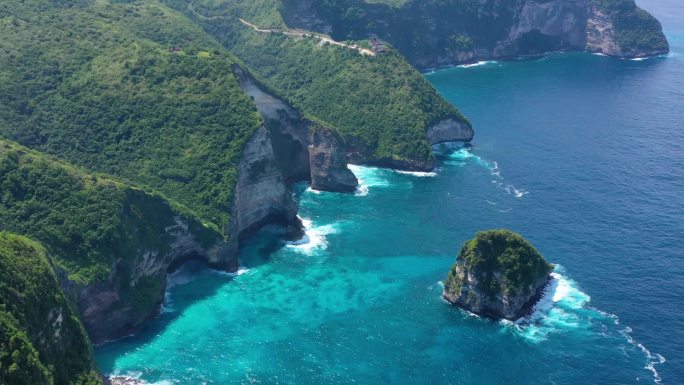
(582, 154)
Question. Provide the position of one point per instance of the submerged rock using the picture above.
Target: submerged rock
(497, 274)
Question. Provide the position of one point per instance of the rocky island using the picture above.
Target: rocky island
(498, 274)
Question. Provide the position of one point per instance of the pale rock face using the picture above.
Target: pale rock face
(261, 195)
(329, 169)
(106, 316)
(302, 149)
(450, 130)
(508, 306)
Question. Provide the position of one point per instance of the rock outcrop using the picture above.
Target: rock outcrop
(303, 150)
(262, 195)
(498, 274)
(450, 130)
(329, 169)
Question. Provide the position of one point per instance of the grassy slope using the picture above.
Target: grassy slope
(381, 100)
(94, 83)
(42, 342)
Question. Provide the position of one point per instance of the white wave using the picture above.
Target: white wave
(599, 54)
(182, 276)
(651, 359)
(639, 59)
(134, 378)
(420, 174)
(479, 63)
(556, 310)
(515, 192)
(314, 238)
(311, 190)
(564, 306)
(241, 270)
(368, 177)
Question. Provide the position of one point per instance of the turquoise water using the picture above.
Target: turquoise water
(581, 154)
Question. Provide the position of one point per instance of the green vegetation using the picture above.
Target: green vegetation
(461, 26)
(86, 221)
(503, 252)
(42, 342)
(454, 25)
(634, 27)
(379, 101)
(96, 84)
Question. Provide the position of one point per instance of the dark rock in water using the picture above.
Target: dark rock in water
(498, 274)
(329, 169)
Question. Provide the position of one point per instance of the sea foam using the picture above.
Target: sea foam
(477, 64)
(462, 156)
(314, 238)
(564, 307)
(368, 177)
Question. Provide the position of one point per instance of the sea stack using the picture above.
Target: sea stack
(498, 274)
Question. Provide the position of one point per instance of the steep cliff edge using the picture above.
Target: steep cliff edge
(303, 150)
(42, 342)
(497, 274)
(380, 106)
(262, 195)
(329, 169)
(456, 31)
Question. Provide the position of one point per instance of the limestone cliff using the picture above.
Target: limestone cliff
(134, 290)
(262, 195)
(329, 169)
(497, 274)
(112, 244)
(450, 130)
(303, 150)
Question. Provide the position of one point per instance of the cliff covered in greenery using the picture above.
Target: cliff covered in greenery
(42, 341)
(453, 31)
(497, 274)
(95, 83)
(111, 243)
(380, 104)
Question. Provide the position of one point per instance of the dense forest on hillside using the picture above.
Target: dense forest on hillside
(97, 85)
(380, 99)
(42, 342)
(443, 28)
(87, 222)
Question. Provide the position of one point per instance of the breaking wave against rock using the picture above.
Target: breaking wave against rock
(564, 308)
(314, 238)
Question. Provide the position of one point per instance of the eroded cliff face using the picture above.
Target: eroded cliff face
(134, 290)
(303, 150)
(450, 130)
(469, 295)
(262, 195)
(329, 169)
(497, 274)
